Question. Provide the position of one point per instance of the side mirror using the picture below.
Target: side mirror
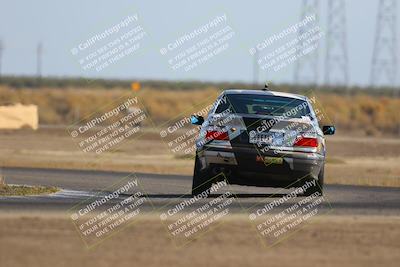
(329, 129)
(196, 120)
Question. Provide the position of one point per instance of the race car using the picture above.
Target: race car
(260, 138)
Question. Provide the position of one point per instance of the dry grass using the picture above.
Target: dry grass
(351, 160)
(21, 190)
(2, 183)
(66, 106)
(371, 115)
(52, 240)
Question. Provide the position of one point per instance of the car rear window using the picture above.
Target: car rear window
(264, 105)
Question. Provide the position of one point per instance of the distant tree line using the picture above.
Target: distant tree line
(18, 82)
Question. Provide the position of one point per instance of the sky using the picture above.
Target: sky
(62, 26)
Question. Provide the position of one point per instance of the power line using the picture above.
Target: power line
(39, 52)
(384, 58)
(306, 68)
(336, 60)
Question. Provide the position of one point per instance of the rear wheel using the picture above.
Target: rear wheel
(318, 185)
(201, 179)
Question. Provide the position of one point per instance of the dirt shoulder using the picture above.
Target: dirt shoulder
(51, 240)
(22, 190)
(351, 160)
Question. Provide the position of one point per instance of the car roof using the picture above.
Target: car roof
(264, 92)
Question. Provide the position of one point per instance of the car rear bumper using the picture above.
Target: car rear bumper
(251, 166)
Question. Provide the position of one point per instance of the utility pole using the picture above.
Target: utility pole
(1, 57)
(39, 52)
(384, 58)
(306, 68)
(255, 69)
(336, 60)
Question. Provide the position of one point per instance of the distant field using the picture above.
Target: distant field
(80, 82)
(365, 150)
(361, 112)
(351, 160)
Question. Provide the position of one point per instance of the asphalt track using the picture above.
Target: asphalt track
(164, 191)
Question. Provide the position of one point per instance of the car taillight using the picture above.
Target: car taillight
(306, 141)
(216, 135)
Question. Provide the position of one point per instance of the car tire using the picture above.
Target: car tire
(319, 185)
(201, 179)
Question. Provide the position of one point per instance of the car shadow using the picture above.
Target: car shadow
(171, 196)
